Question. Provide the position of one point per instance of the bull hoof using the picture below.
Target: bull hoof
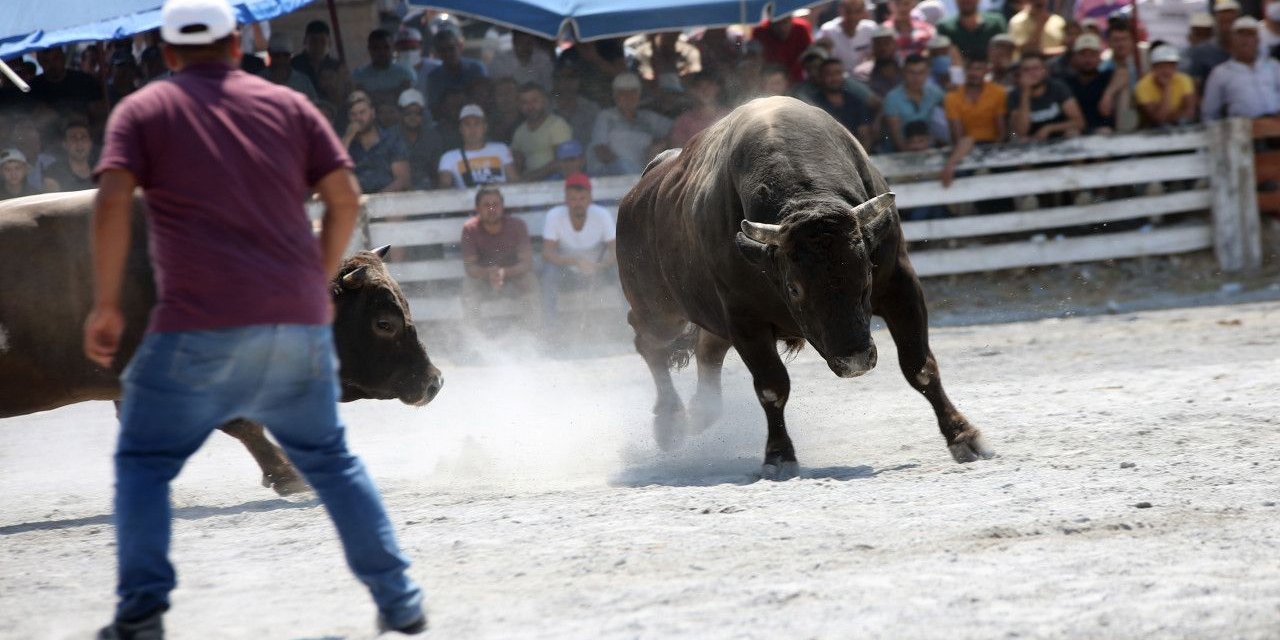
(286, 485)
(970, 447)
(704, 412)
(669, 430)
(779, 471)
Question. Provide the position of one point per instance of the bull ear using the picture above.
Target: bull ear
(355, 279)
(877, 218)
(763, 233)
(381, 252)
(755, 252)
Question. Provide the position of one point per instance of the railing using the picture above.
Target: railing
(1203, 202)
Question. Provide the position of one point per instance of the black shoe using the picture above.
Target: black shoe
(412, 629)
(148, 628)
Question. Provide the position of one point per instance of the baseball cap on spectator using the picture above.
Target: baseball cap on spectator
(578, 181)
(413, 96)
(1245, 23)
(568, 149)
(814, 50)
(317, 27)
(470, 111)
(1201, 21)
(12, 155)
(196, 22)
(279, 43)
(409, 36)
(932, 11)
(1164, 53)
(939, 42)
(1226, 5)
(626, 82)
(883, 32)
(1088, 41)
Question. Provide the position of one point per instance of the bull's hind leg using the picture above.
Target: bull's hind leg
(706, 404)
(903, 309)
(277, 473)
(773, 386)
(656, 343)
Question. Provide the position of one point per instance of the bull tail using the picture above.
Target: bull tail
(682, 347)
(793, 347)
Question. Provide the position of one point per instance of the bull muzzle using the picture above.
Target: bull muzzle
(421, 394)
(855, 365)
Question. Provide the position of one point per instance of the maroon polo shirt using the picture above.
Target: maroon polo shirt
(226, 160)
(500, 249)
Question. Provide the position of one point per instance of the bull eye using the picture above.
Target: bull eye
(385, 326)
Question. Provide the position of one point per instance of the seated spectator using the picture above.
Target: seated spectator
(75, 171)
(782, 40)
(849, 36)
(577, 245)
(421, 140)
(571, 158)
(882, 73)
(13, 170)
(280, 70)
(972, 30)
(1000, 57)
(527, 61)
(1036, 28)
(478, 161)
(534, 143)
(383, 81)
(912, 34)
(626, 137)
(976, 112)
(454, 70)
(773, 81)
(407, 50)
(1204, 57)
(916, 99)
(1042, 108)
(719, 50)
(124, 77)
(1060, 65)
(578, 111)
(1199, 31)
(1166, 96)
(380, 157)
(941, 63)
(1096, 90)
(668, 99)
(598, 62)
(315, 58)
(497, 256)
(1247, 85)
(916, 137)
(844, 105)
(26, 138)
(708, 110)
(666, 52)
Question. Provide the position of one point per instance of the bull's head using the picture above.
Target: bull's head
(820, 260)
(375, 338)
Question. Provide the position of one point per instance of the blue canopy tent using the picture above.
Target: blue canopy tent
(595, 19)
(30, 25)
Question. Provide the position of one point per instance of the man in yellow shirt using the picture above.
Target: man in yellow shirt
(1165, 96)
(1035, 28)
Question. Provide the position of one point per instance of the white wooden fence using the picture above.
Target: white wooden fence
(1216, 160)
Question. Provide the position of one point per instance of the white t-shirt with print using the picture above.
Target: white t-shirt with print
(488, 164)
(596, 231)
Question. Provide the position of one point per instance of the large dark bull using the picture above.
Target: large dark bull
(47, 293)
(772, 225)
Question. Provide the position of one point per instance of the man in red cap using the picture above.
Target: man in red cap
(577, 245)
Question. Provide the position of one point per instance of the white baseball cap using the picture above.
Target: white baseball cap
(1201, 21)
(196, 22)
(1164, 53)
(1226, 5)
(1087, 41)
(1245, 23)
(413, 96)
(471, 111)
(938, 42)
(12, 155)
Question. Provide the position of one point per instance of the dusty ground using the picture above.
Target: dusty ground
(1134, 496)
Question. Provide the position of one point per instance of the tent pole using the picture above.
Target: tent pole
(13, 77)
(337, 32)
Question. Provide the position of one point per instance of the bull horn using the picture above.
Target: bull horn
(876, 218)
(381, 252)
(762, 233)
(355, 279)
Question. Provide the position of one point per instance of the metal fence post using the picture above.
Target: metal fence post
(1237, 232)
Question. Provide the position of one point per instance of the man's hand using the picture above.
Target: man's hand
(587, 267)
(1105, 106)
(102, 331)
(948, 175)
(497, 277)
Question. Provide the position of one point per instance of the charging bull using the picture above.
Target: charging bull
(771, 225)
(47, 294)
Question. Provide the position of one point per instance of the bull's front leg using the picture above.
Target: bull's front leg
(759, 351)
(277, 472)
(706, 405)
(904, 312)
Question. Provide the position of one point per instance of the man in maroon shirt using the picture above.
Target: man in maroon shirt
(241, 327)
(498, 257)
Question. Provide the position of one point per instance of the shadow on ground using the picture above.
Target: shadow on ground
(181, 513)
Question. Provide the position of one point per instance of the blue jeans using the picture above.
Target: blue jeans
(181, 386)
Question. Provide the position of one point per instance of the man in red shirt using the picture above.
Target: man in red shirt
(783, 40)
(498, 257)
(241, 328)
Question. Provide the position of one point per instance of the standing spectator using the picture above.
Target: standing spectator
(882, 73)
(500, 100)
(534, 143)
(626, 137)
(75, 171)
(708, 110)
(13, 169)
(383, 81)
(454, 70)
(912, 33)
(718, 50)
(315, 58)
(577, 110)
(63, 88)
(598, 63)
(666, 52)
(1247, 85)
(782, 40)
(380, 157)
(407, 48)
(27, 139)
(498, 257)
(1096, 90)
(124, 77)
(241, 330)
(1042, 108)
(1035, 28)
(1165, 96)
(976, 113)
(527, 61)
(1060, 65)
(477, 161)
(152, 62)
(280, 69)
(916, 99)
(1271, 30)
(1001, 53)
(849, 36)
(971, 30)
(773, 81)
(1204, 57)
(842, 104)
(577, 245)
(1199, 31)
(421, 140)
